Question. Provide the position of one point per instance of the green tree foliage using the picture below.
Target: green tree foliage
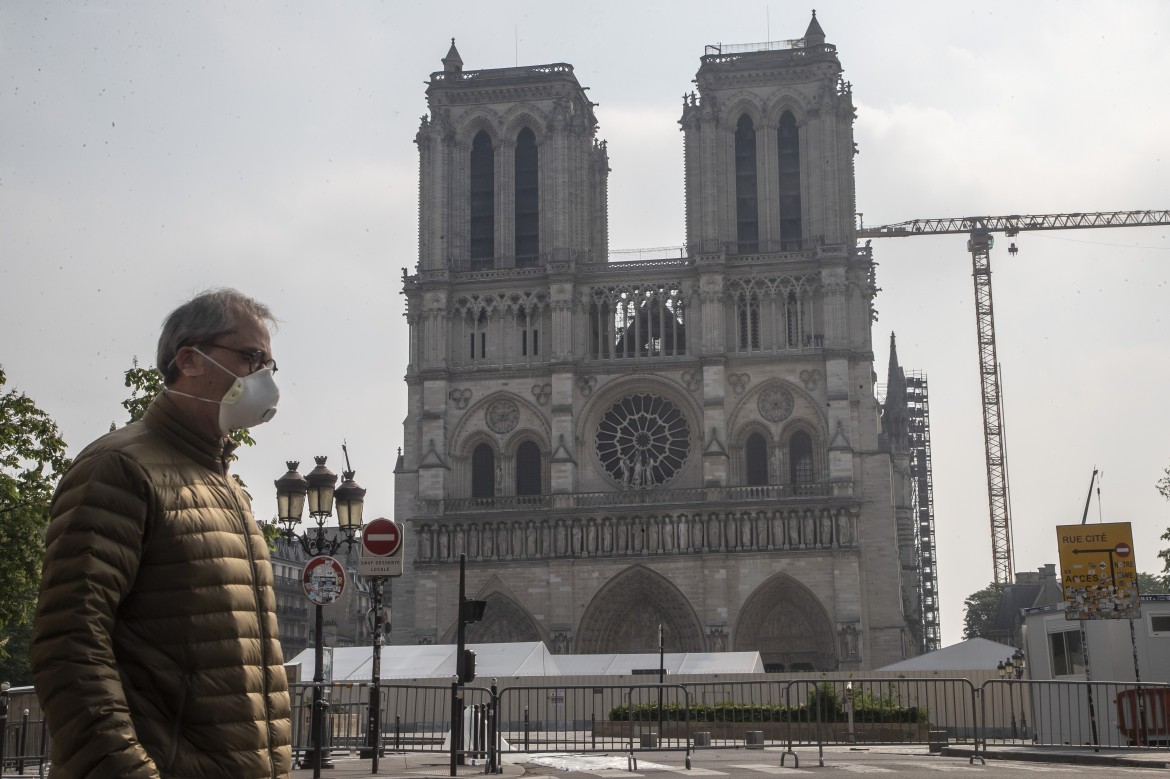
(981, 606)
(1163, 486)
(32, 459)
(1152, 584)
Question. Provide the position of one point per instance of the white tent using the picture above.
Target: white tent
(674, 663)
(974, 654)
(431, 661)
(437, 661)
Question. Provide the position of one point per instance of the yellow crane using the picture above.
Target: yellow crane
(979, 230)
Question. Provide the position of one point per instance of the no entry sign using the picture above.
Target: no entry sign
(381, 538)
(381, 549)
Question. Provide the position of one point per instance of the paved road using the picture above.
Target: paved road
(897, 762)
(756, 764)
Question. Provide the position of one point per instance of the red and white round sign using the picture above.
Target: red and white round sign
(381, 537)
(324, 580)
(1122, 549)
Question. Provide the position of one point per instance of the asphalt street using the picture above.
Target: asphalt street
(908, 762)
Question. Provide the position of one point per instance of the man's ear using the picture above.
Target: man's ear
(189, 362)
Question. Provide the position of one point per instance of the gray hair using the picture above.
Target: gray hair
(207, 316)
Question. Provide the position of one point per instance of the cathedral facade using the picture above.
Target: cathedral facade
(692, 443)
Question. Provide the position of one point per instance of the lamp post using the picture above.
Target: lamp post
(1013, 668)
(293, 491)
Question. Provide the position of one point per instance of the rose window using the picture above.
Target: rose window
(643, 441)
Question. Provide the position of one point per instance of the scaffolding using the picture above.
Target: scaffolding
(918, 415)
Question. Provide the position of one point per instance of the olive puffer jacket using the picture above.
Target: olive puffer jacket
(155, 649)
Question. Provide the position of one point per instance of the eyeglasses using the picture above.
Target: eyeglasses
(256, 359)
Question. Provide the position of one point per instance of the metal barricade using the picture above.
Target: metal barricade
(1101, 715)
(558, 718)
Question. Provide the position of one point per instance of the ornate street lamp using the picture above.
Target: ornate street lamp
(293, 492)
(1020, 664)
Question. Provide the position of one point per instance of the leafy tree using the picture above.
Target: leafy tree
(1151, 584)
(1163, 486)
(982, 607)
(32, 459)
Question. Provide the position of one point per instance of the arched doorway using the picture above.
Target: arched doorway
(625, 614)
(786, 623)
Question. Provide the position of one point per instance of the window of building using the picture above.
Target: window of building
(483, 472)
(527, 201)
(793, 321)
(788, 152)
(1068, 658)
(756, 459)
(1160, 624)
(477, 338)
(529, 332)
(747, 309)
(528, 468)
(747, 218)
(800, 458)
(483, 207)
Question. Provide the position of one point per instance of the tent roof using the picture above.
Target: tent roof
(974, 654)
(427, 661)
(430, 661)
(673, 662)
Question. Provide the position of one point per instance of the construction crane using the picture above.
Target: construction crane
(979, 243)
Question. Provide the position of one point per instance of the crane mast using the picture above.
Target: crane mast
(979, 243)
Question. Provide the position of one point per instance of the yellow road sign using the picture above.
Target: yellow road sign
(1098, 571)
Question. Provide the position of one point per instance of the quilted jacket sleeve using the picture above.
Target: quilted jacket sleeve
(93, 548)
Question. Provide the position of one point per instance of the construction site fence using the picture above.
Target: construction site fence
(744, 714)
(685, 715)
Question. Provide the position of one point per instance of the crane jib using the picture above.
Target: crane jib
(1015, 223)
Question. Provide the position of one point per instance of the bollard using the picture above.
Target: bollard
(397, 732)
(525, 728)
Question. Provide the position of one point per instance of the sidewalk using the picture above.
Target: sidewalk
(434, 765)
(409, 765)
(1133, 758)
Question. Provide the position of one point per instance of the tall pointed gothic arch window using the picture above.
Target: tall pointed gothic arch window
(528, 469)
(747, 216)
(793, 321)
(483, 472)
(788, 153)
(755, 452)
(483, 203)
(800, 458)
(747, 312)
(527, 200)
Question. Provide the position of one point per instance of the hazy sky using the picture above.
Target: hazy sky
(151, 150)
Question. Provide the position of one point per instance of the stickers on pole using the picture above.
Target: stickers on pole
(1098, 571)
(381, 549)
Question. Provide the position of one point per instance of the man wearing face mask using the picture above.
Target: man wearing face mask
(155, 650)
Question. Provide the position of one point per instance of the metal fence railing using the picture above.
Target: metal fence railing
(684, 716)
(1102, 715)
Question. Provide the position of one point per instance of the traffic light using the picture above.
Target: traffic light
(466, 668)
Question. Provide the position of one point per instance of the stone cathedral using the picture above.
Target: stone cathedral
(690, 442)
